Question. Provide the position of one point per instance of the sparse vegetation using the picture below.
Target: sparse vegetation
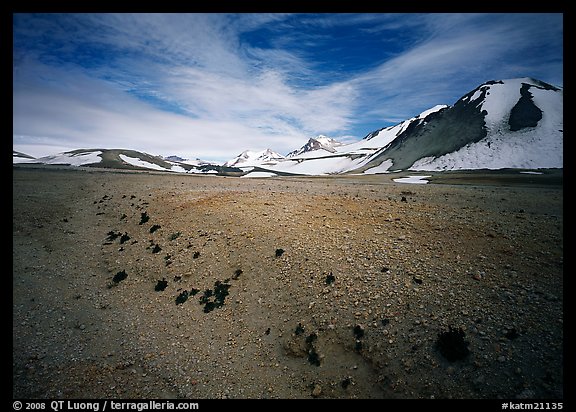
(120, 276)
(452, 345)
(144, 218)
(161, 285)
(330, 279)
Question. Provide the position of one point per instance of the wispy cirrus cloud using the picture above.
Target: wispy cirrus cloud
(457, 53)
(213, 85)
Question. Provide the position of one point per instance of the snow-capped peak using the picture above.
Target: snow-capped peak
(325, 140)
(253, 158)
(317, 143)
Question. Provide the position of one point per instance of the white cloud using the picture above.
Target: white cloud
(191, 84)
(456, 53)
(60, 119)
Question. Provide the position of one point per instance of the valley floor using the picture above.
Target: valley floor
(144, 285)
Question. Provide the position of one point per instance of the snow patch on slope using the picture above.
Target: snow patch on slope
(72, 159)
(322, 166)
(381, 168)
(260, 174)
(134, 161)
(526, 150)
(415, 180)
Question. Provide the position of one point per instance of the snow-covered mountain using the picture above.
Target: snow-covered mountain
(349, 157)
(254, 158)
(323, 143)
(125, 159)
(19, 157)
(514, 123)
(78, 157)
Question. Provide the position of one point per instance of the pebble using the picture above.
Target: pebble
(317, 391)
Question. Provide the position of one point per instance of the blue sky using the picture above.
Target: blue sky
(213, 85)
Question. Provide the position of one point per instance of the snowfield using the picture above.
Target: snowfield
(260, 174)
(72, 159)
(317, 167)
(415, 180)
(135, 161)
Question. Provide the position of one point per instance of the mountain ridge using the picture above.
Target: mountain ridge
(317, 143)
(512, 123)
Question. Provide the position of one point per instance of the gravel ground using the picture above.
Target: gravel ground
(149, 285)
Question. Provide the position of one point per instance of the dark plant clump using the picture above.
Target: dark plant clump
(207, 295)
(313, 357)
(346, 382)
(311, 338)
(174, 236)
(120, 276)
(161, 285)
(209, 307)
(358, 332)
(220, 292)
(330, 279)
(196, 255)
(182, 297)
(112, 235)
(299, 329)
(156, 249)
(279, 252)
(237, 274)
(144, 218)
(212, 299)
(124, 238)
(154, 228)
(452, 345)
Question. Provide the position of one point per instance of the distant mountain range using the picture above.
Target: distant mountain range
(127, 159)
(514, 123)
